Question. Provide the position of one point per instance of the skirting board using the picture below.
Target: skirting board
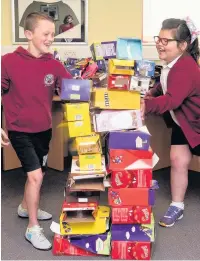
(149, 51)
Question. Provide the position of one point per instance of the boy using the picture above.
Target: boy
(29, 79)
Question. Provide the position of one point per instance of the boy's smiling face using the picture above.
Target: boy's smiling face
(42, 37)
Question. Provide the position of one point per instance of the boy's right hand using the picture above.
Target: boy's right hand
(4, 138)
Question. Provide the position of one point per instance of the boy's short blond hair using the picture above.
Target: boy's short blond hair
(32, 19)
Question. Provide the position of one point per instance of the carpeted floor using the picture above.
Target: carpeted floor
(177, 243)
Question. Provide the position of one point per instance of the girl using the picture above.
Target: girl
(67, 24)
(178, 96)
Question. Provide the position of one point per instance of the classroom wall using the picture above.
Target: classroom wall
(107, 20)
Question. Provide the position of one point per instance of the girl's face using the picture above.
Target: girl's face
(168, 48)
(69, 19)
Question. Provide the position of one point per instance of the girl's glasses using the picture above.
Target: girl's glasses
(164, 41)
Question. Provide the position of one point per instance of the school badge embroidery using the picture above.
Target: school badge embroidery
(48, 79)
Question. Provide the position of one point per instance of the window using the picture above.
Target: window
(155, 11)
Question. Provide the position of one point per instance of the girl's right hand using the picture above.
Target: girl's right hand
(148, 94)
(4, 138)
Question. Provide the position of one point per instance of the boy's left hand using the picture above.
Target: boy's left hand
(4, 138)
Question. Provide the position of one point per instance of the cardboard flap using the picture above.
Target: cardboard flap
(141, 164)
(79, 212)
(82, 197)
(78, 216)
(87, 176)
(63, 246)
(91, 184)
(97, 244)
(88, 185)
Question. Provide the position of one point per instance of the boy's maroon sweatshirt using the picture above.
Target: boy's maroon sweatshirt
(28, 85)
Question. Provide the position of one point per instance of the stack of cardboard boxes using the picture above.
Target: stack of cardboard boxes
(119, 104)
(111, 106)
(83, 222)
(131, 196)
(130, 159)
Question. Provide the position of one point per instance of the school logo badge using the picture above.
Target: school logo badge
(48, 79)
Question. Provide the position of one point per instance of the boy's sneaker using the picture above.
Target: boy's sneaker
(37, 238)
(42, 215)
(172, 215)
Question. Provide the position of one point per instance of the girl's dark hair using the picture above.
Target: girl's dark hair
(66, 17)
(182, 33)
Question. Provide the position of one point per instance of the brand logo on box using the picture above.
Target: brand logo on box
(115, 197)
(145, 251)
(146, 213)
(117, 159)
(106, 99)
(117, 178)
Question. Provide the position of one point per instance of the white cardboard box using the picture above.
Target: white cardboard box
(117, 120)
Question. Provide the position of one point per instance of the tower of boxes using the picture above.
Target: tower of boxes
(107, 100)
(84, 223)
(130, 195)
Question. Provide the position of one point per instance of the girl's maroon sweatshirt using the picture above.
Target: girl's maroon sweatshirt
(182, 96)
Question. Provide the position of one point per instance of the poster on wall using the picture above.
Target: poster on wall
(70, 18)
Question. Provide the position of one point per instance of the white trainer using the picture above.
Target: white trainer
(35, 235)
(42, 215)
